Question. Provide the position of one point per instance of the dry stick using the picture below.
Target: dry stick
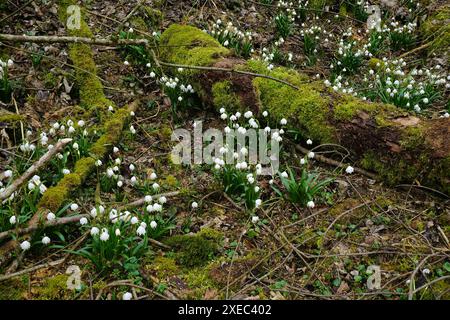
(337, 163)
(69, 39)
(35, 167)
(257, 75)
(56, 222)
(40, 266)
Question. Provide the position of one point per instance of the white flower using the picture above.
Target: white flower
(258, 203)
(126, 63)
(265, 113)
(65, 171)
(222, 110)
(51, 216)
(133, 180)
(283, 122)
(153, 176)
(310, 204)
(425, 100)
(248, 114)
(8, 174)
(94, 231)
(155, 186)
(302, 161)
(13, 220)
(132, 129)
(115, 149)
(223, 116)
(349, 169)
(311, 155)
(98, 163)
(153, 224)
(120, 183)
(75, 146)
(83, 221)
(117, 232)
(140, 231)
(157, 207)
(45, 240)
(132, 114)
(284, 174)
(152, 74)
(162, 200)
(25, 245)
(255, 219)
(81, 123)
(93, 212)
(134, 220)
(74, 207)
(225, 43)
(105, 235)
(194, 205)
(148, 198)
(10, 63)
(309, 141)
(426, 271)
(132, 167)
(127, 296)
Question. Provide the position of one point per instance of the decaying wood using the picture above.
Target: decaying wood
(32, 170)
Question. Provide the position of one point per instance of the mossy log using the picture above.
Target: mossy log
(399, 146)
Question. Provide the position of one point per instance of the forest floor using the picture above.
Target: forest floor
(358, 228)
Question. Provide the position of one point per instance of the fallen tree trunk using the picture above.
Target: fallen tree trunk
(399, 146)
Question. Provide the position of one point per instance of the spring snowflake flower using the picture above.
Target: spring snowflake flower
(127, 296)
(71, 130)
(302, 161)
(194, 205)
(153, 176)
(8, 174)
(133, 180)
(157, 207)
(117, 232)
(126, 63)
(283, 122)
(271, 181)
(426, 271)
(309, 141)
(98, 163)
(255, 219)
(265, 114)
(134, 220)
(95, 231)
(132, 167)
(132, 130)
(148, 198)
(223, 116)
(93, 212)
(65, 171)
(349, 169)
(120, 183)
(45, 240)
(425, 100)
(105, 235)
(311, 155)
(258, 203)
(155, 186)
(248, 114)
(74, 207)
(153, 224)
(115, 149)
(150, 208)
(75, 146)
(132, 114)
(140, 231)
(51, 216)
(25, 245)
(310, 204)
(83, 221)
(13, 220)
(162, 200)
(284, 174)
(152, 74)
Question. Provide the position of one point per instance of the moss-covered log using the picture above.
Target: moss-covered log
(399, 146)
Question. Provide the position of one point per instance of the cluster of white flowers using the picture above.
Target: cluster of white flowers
(36, 182)
(229, 35)
(176, 89)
